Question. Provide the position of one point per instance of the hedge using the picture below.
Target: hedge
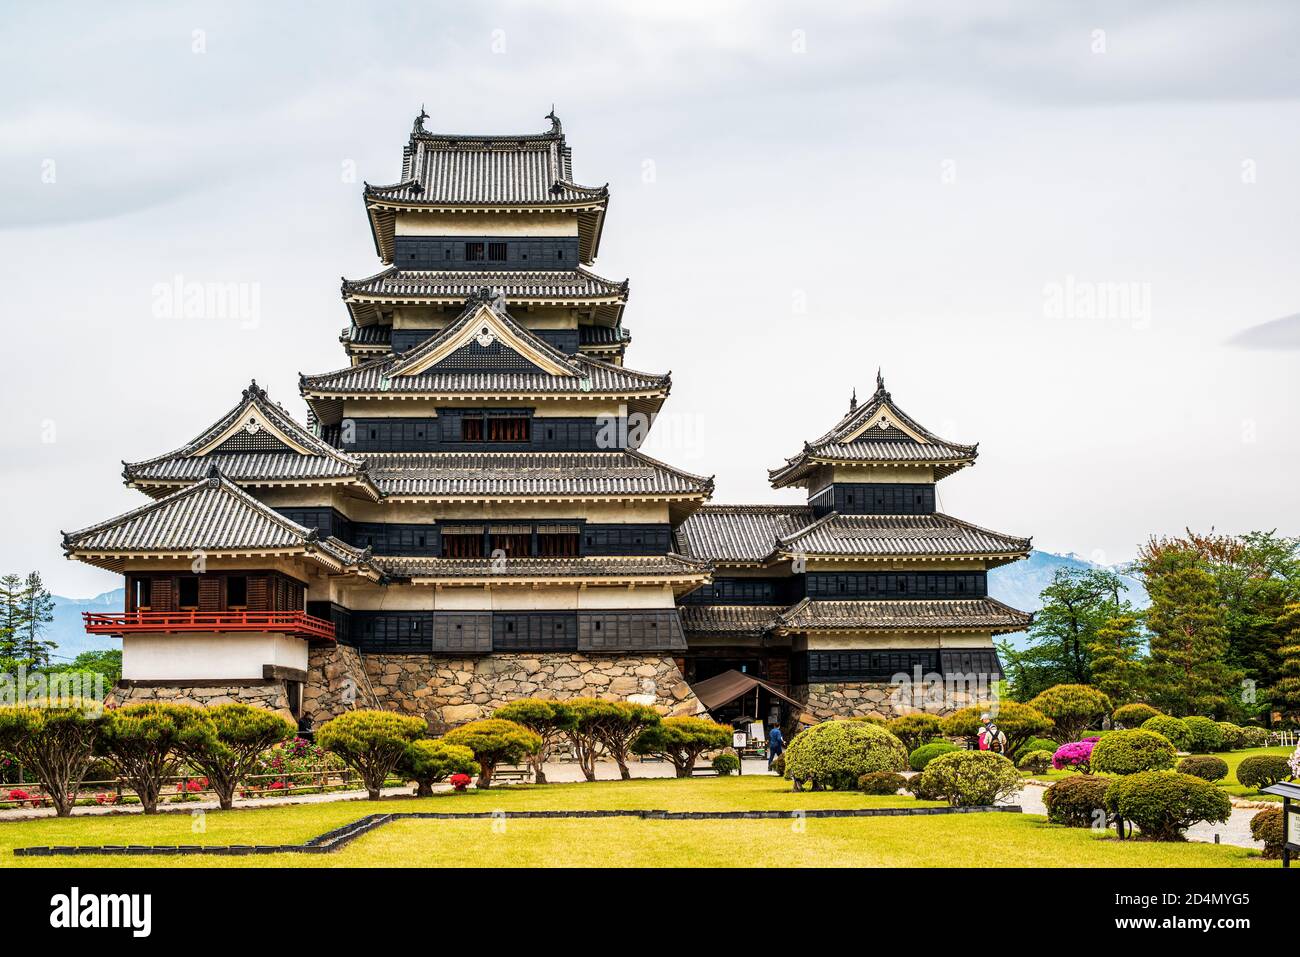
(1204, 766)
(882, 782)
(1203, 735)
(1163, 804)
(1174, 729)
(926, 753)
(1078, 801)
(1131, 752)
(834, 754)
(1263, 770)
(971, 778)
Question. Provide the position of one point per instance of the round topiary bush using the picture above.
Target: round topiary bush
(1163, 804)
(1133, 715)
(916, 785)
(725, 764)
(1266, 826)
(971, 778)
(1204, 766)
(834, 754)
(1203, 735)
(1036, 762)
(1234, 737)
(1131, 752)
(1174, 729)
(1262, 770)
(1078, 801)
(1254, 736)
(926, 753)
(1037, 744)
(914, 729)
(882, 782)
(1073, 708)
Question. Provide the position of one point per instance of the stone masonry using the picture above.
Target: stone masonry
(270, 695)
(336, 682)
(871, 699)
(451, 691)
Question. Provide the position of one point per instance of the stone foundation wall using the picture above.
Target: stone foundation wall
(451, 691)
(271, 695)
(861, 699)
(336, 682)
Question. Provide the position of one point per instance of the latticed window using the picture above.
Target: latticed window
(507, 429)
(474, 252)
(515, 541)
(557, 541)
(462, 541)
(496, 252)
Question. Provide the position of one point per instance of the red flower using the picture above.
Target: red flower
(460, 781)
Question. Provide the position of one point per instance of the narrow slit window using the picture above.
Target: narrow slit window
(188, 593)
(237, 592)
(496, 252)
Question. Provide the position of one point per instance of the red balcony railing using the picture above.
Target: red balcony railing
(297, 623)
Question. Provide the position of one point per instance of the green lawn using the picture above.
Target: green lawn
(970, 840)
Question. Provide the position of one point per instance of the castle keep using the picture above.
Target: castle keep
(464, 518)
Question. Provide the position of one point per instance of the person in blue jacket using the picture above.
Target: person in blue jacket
(775, 746)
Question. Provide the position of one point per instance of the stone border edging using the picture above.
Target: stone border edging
(341, 836)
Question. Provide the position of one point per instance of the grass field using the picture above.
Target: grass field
(965, 840)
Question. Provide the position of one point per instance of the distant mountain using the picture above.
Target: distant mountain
(1020, 583)
(1017, 584)
(69, 630)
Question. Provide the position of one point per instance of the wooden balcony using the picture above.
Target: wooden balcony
(297, 623)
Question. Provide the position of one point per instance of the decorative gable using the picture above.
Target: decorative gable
(485, 339)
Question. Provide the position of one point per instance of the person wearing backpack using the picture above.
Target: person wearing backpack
(991, 737)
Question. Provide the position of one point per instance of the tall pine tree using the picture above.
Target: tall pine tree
(37, 614)
(11, 615)
(1117, 668)
(1285, 694)
(1189, 673)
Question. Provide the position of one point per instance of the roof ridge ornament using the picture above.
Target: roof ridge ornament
(418, 126)
(556, 128)
(853, 400)
(214, 475)
(254, 391)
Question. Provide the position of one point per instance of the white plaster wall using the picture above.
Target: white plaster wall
(209, 655)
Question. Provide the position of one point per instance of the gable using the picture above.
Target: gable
(485, 340)
(252, 431)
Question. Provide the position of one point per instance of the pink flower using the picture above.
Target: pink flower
(1075, 755)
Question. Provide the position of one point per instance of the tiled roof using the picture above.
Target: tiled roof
(649, 566)
(367, 335)
(976, 613)
(739, 533)
(900, 536)
(530, 475)
(251, 453)
(728, 619)
(529, 171)
(212, 515)
(585, 375)
(557, 285)
(897, 439)
(589, 335)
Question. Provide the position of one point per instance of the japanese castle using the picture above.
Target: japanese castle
(463, 516)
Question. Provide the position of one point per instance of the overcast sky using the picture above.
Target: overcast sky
(1045, 222)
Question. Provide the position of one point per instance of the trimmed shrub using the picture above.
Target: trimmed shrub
(1163, 804)
(549, 720)
(494, 741)
(1072, 708)
(1204, 766)
(1036, 744)
(682, 740)
(370, 742)
(971, 778)
(1131, 752)
(882, 782)
(1234, 737)
(725, 764)
(1078, 801)
(1266, 826)
(226, 745)
(1019, 722)
(590, 715)
(916, 784)
(1074, 756)
(926, 753)
(1262, 770)
(834, 754)
(1036, 762)
(1132, 715)
(778, 766)
(143, 742)
(1254, 736)
(429, 760)
(1174, 729)
(915, 729)
(1203, 735)
(55, 744)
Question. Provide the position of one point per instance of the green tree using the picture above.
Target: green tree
(590, 716)
(682, 740)
(224, 742)
(1116, 651)
(11, 615)
(428, 761)
(494, 741)
(36, 615)
(550, 720)
(55, 743)
(1189, 672)
(1073, 709)
(107, 663)
(1285, 693)
(371, 743)
(1019, 722)
(143, 743)
(1076, 604)
(623, 725)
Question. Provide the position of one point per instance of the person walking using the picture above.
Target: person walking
(991, 738)
(775, 746)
